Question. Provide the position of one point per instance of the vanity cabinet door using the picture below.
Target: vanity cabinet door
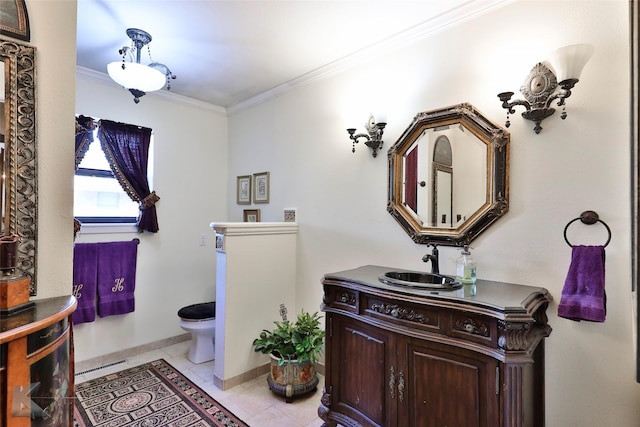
(362, 369)
(447, 386)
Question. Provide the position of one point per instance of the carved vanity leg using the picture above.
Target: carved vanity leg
(323, 409)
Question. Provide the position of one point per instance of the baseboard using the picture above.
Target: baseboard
(110, 358)
(249, 375)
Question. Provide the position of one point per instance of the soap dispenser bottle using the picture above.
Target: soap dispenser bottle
(466, 272)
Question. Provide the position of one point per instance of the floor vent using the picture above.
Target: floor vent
(101, 367)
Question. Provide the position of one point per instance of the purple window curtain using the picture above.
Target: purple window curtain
(127, 150)
(84, 136)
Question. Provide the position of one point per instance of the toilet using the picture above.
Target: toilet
(200, 321)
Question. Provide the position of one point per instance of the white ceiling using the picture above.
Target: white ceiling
(229, 52)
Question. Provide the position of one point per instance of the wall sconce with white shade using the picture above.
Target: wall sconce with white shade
(541, 86)
(138, 78)
(373, 137)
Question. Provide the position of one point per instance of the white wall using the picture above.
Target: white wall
(53, 33)
(190, 167)
(256, 273)
(573, 165)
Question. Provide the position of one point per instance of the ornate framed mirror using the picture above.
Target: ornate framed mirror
(448, 176)
(19, 205)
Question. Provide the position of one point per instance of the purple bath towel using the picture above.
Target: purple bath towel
(583, 295)
(116, 277)
(85, 281)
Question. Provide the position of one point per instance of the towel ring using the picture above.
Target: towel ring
(589, 218)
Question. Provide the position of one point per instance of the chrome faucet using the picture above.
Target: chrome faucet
(433, 257)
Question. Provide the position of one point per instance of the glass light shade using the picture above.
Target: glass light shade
(136, 76)
(568, 62)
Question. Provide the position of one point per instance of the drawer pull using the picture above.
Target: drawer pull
(473, 326)
(398, 312)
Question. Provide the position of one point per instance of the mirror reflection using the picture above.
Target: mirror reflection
(448, 176)
(445, 172)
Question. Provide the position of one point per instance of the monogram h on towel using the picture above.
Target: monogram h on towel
(116, 277)
(583, 295)
(85, 281)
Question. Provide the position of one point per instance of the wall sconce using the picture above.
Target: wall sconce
(541, 86)
(373, 136)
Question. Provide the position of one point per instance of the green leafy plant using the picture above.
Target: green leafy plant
(302, 340)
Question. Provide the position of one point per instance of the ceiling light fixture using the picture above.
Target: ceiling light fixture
(541, 86)
(138, 78)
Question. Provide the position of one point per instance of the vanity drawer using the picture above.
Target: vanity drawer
(402, 313)
(471, 327)
(45, 336)
(342, 299)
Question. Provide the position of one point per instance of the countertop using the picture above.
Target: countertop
(44, 312)
(502, 297)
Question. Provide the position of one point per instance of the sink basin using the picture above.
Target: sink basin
(421, 280)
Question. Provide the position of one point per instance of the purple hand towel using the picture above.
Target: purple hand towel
(116, 277)
(583, 295)
(85, 281)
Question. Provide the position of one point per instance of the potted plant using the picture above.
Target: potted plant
(294, 349)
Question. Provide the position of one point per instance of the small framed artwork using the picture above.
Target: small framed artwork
(14, 21)
(243, 190)
(219, 242)
(290, 215)
(251, 215)
(261, 187)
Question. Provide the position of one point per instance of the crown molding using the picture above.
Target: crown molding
(465, 12)
(104, 79)
(449, 19)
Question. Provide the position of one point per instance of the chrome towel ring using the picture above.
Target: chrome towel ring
(589, 218)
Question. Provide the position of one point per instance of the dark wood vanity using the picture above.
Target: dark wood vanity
(401, 356)
(36, 363)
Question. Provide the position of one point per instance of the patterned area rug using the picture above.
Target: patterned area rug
(151, 395)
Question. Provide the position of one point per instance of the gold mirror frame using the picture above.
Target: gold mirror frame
(20, 160)
(497, 140)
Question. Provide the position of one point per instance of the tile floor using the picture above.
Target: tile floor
(251, 401)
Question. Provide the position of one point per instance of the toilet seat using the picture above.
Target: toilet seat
(198, 312)
(200, 321)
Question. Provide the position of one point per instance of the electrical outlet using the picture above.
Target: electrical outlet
(203, 240)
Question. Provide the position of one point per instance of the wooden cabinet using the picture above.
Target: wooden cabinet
(362, 359)
(36, 365)
(412, 358)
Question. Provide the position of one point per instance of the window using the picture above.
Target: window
(98, 196)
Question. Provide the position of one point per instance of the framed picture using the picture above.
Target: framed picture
(290, 215)
(251, 215)
(219, 242)
(14, 21)
(261, 187)
(243, 190)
